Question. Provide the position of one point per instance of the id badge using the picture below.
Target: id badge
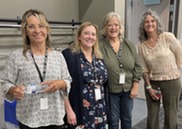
(44, 103)
(122, 78)
(97, 94)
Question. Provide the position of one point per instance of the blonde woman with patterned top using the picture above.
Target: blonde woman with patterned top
(87, 107)
(161, 58)
(37, 76)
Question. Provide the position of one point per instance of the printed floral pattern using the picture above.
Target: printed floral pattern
(95, 74)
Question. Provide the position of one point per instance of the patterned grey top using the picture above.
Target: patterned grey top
(22, 71)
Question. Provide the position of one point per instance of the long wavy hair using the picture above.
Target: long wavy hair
(106, 19)
(76, 46)
(142, 33)
(42, 18)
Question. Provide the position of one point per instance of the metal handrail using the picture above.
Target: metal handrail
(18, 21)
(52, 27)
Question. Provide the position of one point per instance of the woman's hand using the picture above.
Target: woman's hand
(71, 117)
(152, 93)
(54, 85)
(17, 92)
(134, 90)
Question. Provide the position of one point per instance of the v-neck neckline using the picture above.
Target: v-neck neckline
(151, 46)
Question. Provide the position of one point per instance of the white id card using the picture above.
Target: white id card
(122, 78)
(97, 94)
(43, 103)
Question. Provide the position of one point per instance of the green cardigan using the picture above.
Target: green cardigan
(130, 65)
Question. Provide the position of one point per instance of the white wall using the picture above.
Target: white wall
(119, 7)
(179, 36)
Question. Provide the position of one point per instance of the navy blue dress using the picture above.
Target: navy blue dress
(94, 75)
(86, 77)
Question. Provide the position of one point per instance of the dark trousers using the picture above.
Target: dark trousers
(170, 99)
(22, 126)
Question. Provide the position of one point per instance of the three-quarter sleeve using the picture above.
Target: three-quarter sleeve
(142, 60)
(65, 76)
(10, 72)
(163, 60)
(137, 71)
(175, 47)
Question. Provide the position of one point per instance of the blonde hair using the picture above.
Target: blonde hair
(42, 18)
(76, 48)
(106, 20)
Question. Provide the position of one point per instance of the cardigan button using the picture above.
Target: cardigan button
(121, 65)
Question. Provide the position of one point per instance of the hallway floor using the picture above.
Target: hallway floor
(140, 113)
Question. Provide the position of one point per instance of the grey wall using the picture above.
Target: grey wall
(94, 10)
(61, 10)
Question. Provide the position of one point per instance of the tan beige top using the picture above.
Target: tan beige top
(164, 60)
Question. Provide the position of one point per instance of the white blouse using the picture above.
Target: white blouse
(22, 71)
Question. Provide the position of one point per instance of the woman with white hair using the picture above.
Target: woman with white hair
(124, 71)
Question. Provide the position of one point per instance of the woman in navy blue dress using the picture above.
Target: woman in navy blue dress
(86, 108)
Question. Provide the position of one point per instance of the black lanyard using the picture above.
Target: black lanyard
(42, 77)
(118, 55)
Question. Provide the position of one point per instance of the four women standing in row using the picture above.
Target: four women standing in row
(95, 66)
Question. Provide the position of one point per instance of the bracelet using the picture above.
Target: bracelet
(148, 87)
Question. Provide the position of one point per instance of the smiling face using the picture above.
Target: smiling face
(88, 37)
(150, 24)
(36, 30)
(113, 28)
